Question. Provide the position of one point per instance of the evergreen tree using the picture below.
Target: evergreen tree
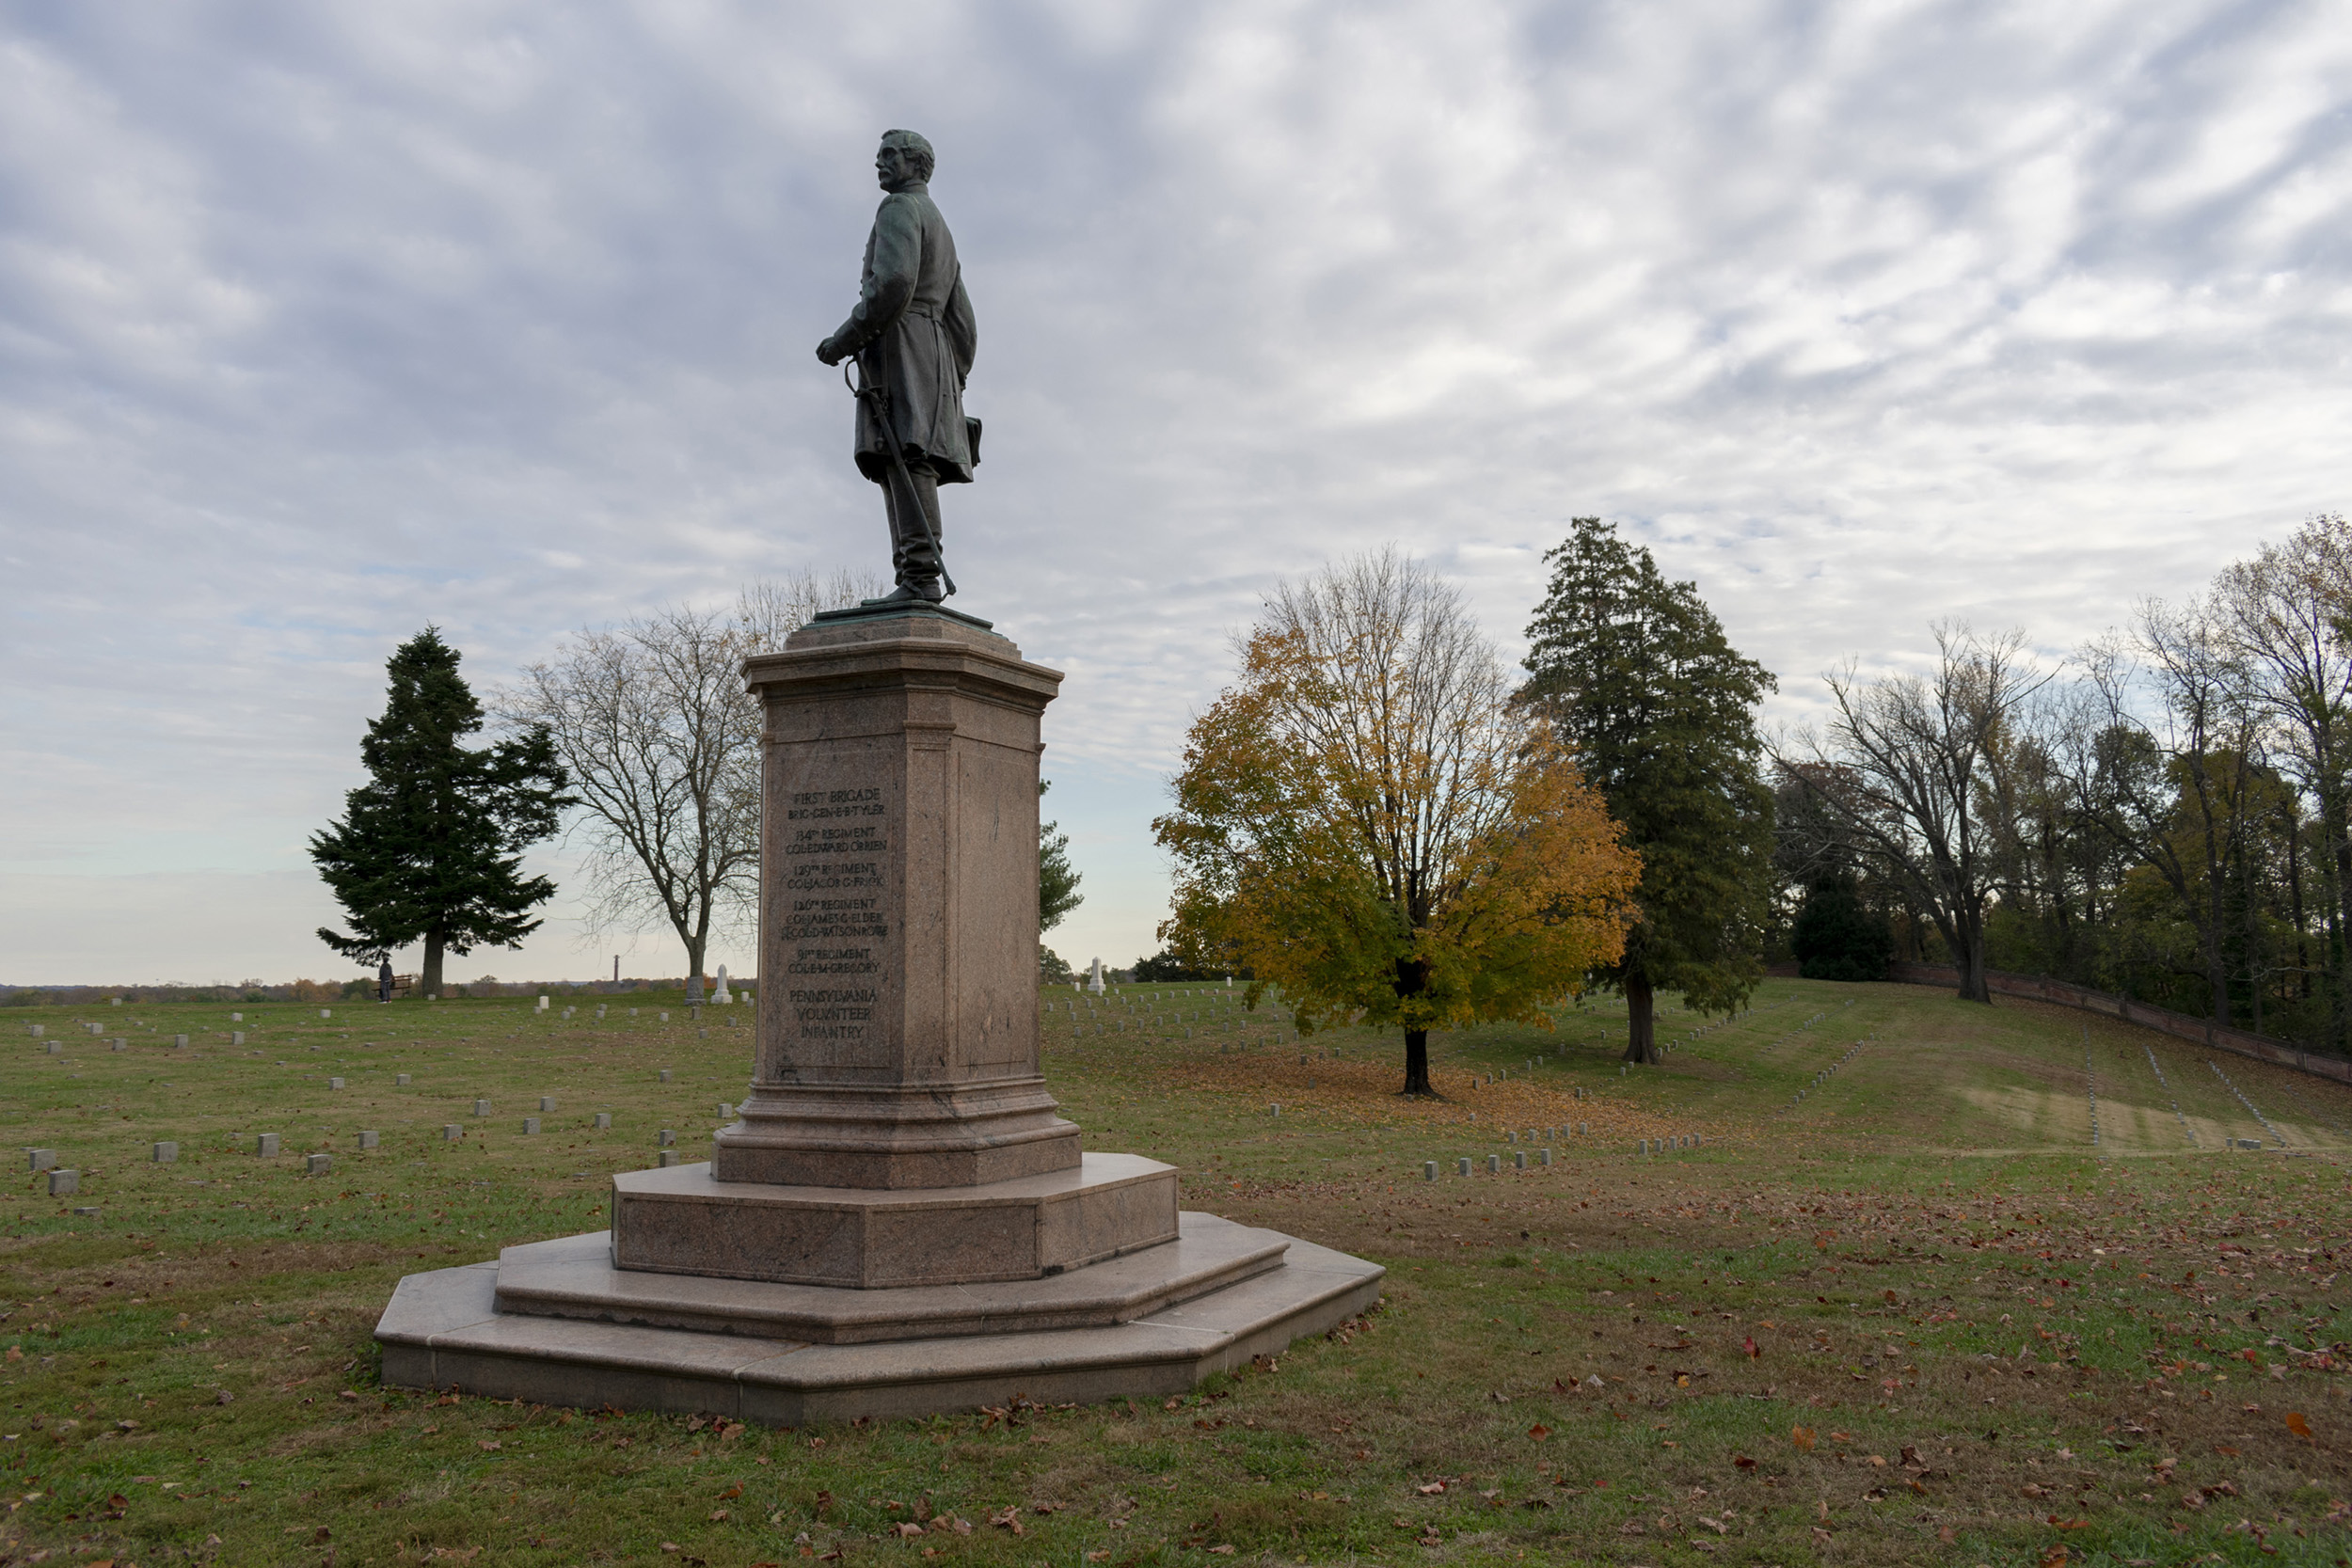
(1636, 674)
(430, 848)
(1837, 938)
(1056, 883)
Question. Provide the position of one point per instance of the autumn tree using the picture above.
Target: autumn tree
(1367, 821)
(430, 848)
(1636, 674)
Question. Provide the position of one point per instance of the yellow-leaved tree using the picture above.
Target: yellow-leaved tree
(1366, 820)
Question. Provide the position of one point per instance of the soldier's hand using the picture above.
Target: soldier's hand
(830, 352)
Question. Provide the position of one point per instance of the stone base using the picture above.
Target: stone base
(684, 1221)
(896, 1138)
(444, 1330)
(573, 1277)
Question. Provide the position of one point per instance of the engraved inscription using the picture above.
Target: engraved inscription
(830, 1013)
(831, 896)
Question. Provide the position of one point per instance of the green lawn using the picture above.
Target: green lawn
(1921, 1317)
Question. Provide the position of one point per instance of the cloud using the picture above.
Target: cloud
(318, 322)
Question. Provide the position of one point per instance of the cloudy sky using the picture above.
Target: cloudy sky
(322, 321)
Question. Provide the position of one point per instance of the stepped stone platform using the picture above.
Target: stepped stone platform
(585, 1336)
(901, 1222)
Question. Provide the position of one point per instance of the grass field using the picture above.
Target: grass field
(1922, 1316)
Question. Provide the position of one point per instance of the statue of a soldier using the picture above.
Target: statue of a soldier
(914, 338)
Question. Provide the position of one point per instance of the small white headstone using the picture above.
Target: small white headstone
(722, 996)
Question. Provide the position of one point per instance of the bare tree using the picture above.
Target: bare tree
(1917, 761)
(662, 745)
(2176, 790)
(2289, 617)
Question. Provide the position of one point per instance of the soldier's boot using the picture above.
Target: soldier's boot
(914, 556)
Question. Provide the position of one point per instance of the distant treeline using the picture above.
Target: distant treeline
(2167, 816)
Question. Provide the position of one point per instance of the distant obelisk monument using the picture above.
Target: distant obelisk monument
(899, 1221)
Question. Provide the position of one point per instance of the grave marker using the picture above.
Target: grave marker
(62, 1182)
(41, 1159)
(165, 1153)
(1429, 1170)
(334, 1083)
(317, 1164)
(604, 1119)
(531, 1125)
(546, 1103)
(482, 1107)
(401, 1079)
(451, 1132)
(369, 1140)
(265, 1145)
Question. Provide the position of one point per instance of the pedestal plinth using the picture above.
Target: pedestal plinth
(897, 1038)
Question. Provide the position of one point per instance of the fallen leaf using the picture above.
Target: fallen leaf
(1743, 1461)
(1748, 1344)
(488, 1445)
(1432, 1488)
(1802, 1437)
(2297, 1425)
(1539, 1432)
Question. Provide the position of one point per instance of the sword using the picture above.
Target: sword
(881, 396)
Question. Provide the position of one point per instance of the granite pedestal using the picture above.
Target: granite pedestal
(899, 1221)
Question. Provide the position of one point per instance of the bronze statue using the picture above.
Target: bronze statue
(913, 335)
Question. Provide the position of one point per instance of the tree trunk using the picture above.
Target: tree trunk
(1417, 1063)
(430, 984)
(1641, 1022)
(1969, 928)
(694, 970)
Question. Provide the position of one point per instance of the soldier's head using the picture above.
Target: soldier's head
(905, 159)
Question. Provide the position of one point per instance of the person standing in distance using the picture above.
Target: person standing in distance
(913, 337)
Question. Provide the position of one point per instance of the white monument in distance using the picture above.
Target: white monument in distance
(1094, 978)
(722, 996)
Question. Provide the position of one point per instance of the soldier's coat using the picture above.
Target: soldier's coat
(913, 334)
